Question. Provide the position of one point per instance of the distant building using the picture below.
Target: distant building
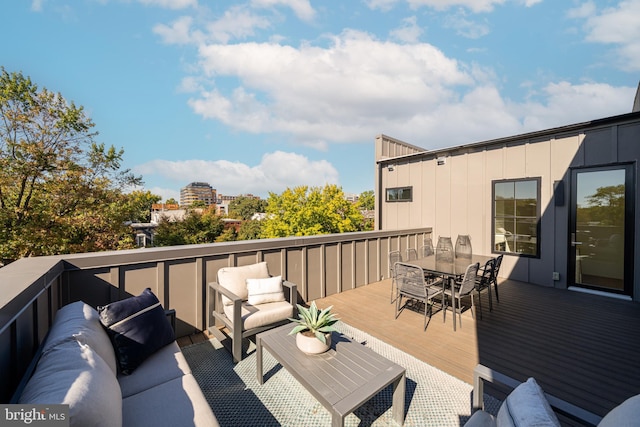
(197, 191)
(224, 201)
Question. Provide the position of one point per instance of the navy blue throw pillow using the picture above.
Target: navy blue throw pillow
(138, 328)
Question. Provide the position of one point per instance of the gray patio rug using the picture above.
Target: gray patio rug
(433, 397)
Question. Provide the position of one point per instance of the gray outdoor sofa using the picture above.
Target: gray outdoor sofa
(528, 406)
(80, 365)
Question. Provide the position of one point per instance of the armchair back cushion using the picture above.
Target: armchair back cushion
(234, 279)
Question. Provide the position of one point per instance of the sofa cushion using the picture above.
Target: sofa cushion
(262, 291)
(73, 374)
(179, 402)
(254, 316)
(627, 414)
(138, 328)
(81, 322)
(526, 406)
(481, 419)
(234, 279)
(164, 365)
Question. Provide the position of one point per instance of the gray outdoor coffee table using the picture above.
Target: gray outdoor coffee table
(342, 379)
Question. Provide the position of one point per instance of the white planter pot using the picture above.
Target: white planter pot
(311, 344)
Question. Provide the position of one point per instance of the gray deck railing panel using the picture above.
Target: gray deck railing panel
(32, 289)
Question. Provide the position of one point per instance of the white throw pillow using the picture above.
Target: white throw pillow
(235, 279)
(262, 291)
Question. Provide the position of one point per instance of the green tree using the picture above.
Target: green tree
(60, 191)
(305, 211)
(244, 207)
(136, 206)
(367, 200)
(171, 201)
(196, 228)
(228, 235)
(250, 230)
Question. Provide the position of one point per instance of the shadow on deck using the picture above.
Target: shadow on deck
(582, 348)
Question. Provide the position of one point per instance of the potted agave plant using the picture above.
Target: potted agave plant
(313, 329)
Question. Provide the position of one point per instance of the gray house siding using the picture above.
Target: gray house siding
(452, 188)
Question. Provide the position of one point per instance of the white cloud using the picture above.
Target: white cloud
(465, 27)
(383, 5)
(179, 32)
(473, 5)
(617, 26)
(170, 4)
(325, 94)
(36, 5)
(409, 32)
(302, 8)
(595, 100)
(276, 172)
(238, 22)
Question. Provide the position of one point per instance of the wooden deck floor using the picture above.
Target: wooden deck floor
(582, 348)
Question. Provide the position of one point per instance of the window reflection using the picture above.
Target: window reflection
(516, 216)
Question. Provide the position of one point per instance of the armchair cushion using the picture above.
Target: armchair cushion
(255, 316)
(138, 328)
(527, 406)
(262, 291)
(235, 279)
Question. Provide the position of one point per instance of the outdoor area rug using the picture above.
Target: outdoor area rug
(433, 397)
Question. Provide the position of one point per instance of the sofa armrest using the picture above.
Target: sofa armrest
(482, 373)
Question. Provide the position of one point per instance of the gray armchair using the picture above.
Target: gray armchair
(247, 301)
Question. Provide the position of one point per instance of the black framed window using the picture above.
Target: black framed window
(399, 194)
(516, 216)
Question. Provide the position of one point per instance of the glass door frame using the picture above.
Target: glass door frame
(629, 230)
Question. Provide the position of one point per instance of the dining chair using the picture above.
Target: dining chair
(427, 248)
(484, 280)
(394, 257)
(495, 275)
(460, 289)
(412, 254)
(444, 249)
(463, 246)
(413, 286)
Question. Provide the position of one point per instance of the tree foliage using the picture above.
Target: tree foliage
(60, 190)
(250, 230)
(367, 200)
(304, 211)
(197, 227)
(244, 207)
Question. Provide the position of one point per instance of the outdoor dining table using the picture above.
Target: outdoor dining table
(449, 270)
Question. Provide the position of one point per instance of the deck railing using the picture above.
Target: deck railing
(32, 289)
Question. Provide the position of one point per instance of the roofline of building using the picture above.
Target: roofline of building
(515, 138)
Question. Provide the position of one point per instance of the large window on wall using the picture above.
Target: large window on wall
(516, 216)
(399, 194)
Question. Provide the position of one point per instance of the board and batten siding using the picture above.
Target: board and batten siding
(452, 187)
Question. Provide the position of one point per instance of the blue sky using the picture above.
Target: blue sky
(261, 95)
